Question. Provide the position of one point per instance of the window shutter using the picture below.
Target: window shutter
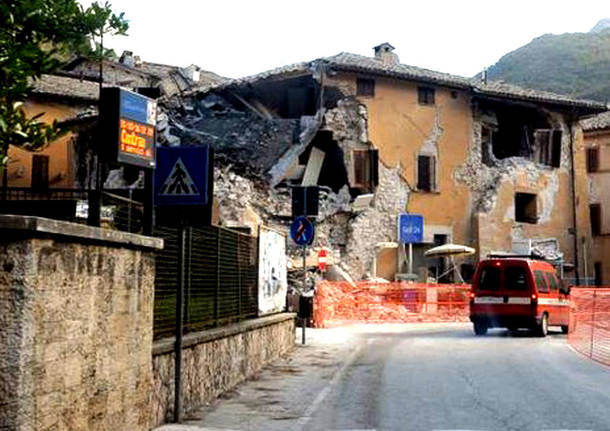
(592, 159)
(556, 149)
(40, 171)
(423, 173)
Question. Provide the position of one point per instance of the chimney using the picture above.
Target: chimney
(137, 61)
(127, 59)
(384, 53)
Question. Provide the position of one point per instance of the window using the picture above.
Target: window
(595, 214)
(552, 282)
(526, 208)
(548, 147)
(365, 87)
(541, 285)
(366, 174)
(40, 171)
(515, 278)
(425, 95)
(592, 159)
(490, 278)
(486, 145)
(426, 180)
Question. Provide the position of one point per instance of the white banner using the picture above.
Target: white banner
(272, 277)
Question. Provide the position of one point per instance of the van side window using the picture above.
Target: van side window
(515, 278)
(552, 280)
(490, 278)
(541, 282)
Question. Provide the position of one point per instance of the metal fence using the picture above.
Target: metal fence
(590, 322)
(337, 303)
(221, 270)
(122, 209)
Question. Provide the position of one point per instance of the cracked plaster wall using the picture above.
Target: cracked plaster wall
(493, 189)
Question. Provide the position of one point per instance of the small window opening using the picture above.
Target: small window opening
(454, 94)
(425, 95)
(592, 159)
(40, 171)
(426, 178)
(526, 208)
(365, 87)
(595, 214)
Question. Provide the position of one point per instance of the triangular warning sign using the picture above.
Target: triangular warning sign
(179, 182)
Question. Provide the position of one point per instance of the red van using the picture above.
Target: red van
(516, 292)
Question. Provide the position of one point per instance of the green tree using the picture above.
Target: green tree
(37, 37)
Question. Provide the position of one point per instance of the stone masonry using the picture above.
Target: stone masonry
(75, 327)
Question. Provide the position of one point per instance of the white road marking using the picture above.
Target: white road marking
(313, 407)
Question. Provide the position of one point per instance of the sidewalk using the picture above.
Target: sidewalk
(280, 395)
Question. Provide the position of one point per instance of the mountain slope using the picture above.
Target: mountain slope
(575, 64)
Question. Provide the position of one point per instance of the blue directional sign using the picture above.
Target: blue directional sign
(302, 231)
(411, 228)
(181, 177)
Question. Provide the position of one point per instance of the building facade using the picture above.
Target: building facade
(487, 164)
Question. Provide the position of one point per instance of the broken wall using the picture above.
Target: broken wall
(494, 183)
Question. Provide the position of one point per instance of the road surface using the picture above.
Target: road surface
(426, 377)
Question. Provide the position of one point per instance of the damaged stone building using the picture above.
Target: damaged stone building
(597, 155)
(488, 165)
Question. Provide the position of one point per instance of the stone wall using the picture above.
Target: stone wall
(75, 326)
(215, 361)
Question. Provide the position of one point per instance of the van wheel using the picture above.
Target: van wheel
(480, 328)
(543, 327)
(565, 329)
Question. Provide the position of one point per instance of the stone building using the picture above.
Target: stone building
(597, 154)
(489, 165)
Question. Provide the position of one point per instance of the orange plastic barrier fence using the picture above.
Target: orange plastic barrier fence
(590, 323)
(338, 303)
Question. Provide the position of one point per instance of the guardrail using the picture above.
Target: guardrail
(590, 322)
(337, 303)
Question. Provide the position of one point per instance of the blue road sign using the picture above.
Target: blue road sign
(181, 177)
(302, 231)
(411, 228)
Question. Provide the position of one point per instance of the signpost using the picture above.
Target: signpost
(410, 230)
(302, 233)
(183, 178)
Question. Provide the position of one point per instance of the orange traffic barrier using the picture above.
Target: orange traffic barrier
(590, 322)
(337, 303)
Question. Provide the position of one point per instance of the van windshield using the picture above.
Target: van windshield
(490, 278)
(515, 278)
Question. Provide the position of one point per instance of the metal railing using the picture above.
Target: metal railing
(122, 209)
(221, 270)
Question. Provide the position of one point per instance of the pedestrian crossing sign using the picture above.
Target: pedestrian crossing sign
(182, 176)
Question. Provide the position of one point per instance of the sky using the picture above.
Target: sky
(236, 38)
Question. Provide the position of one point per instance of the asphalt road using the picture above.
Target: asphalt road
(401, 377)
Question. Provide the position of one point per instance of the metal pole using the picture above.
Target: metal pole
(95, 195)
(593, 321)
(410, 258)
(149, 211)
(179, 325)
(304, 319)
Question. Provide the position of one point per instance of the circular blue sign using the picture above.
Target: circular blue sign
(302, 231)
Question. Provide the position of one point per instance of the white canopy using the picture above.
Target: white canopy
(449, 250)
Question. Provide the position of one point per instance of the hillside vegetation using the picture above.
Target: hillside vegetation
(576, 64)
